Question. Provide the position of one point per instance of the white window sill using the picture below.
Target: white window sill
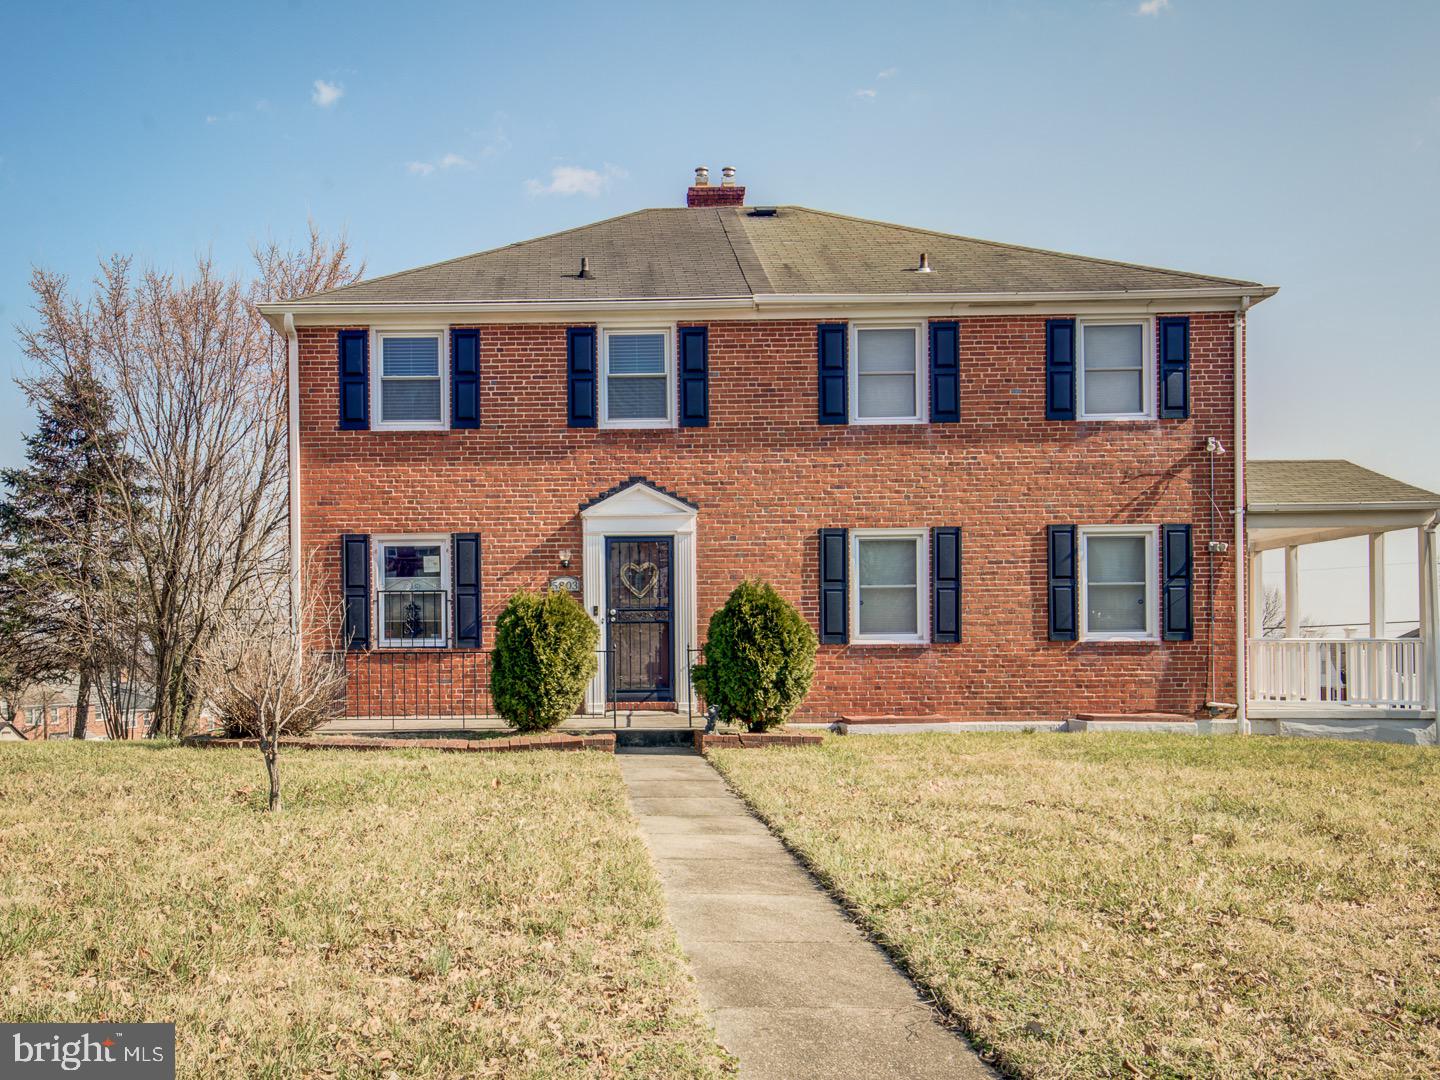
(872, 420)
(1115, 418)
(888, 641)
(1121, 639)
(638, 425)
(409, 427)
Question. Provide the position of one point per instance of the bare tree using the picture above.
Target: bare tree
(1272, 617)
(261, 680)
(197, 381)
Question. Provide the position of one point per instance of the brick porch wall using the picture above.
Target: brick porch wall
(766, 477)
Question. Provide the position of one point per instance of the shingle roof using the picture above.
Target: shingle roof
(735, 252)
(1328, 483)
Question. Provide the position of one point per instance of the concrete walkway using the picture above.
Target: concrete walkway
(794, 989)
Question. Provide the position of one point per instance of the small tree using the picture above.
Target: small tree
(544, 655)
(263, 683)
(759, 658)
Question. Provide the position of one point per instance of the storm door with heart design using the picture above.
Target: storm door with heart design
(638, 579)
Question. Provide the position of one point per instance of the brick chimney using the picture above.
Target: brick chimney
(701, 193)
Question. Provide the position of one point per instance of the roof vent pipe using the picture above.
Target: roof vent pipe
(924, 267)
(727, 176)
(702, 176)
(584, 267)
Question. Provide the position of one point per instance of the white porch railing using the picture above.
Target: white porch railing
(1361, 672)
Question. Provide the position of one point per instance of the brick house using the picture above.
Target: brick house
(1000, 482)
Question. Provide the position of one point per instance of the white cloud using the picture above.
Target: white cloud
(445, 161)
(1152, 7)
(867, 93)
(212, 119)
(888, 73)
(575, 180)
(326, 93)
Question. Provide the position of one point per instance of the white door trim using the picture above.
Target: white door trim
(641, 510)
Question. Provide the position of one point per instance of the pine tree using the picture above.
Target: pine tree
(57, 536)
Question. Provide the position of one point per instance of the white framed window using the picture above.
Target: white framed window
(637, 386)
(1119, 583)
(887, 369)
(409, 387)
(1117, 369)
(890, 597)
(412, 602)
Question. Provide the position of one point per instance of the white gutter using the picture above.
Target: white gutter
(1242, 555)
(989, 297)
(292, 446)
(1338, 508)
(754, 303)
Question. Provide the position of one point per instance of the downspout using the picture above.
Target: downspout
(1242, 691)
(292, 446)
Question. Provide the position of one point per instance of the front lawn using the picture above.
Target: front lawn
(1129, 905)
(408, 914)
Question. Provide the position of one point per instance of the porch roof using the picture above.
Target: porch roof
(1308, 501)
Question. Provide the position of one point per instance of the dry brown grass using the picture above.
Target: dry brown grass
(409, 913)
(1140, 905)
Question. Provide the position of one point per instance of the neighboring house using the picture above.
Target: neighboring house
(1375, 686)
(999, 482)
(47, 711)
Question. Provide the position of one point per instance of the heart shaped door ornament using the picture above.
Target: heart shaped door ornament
(639, 578)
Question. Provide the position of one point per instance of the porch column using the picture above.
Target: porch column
(1292, 591)
(1377, 585)
(1429, 576)
(1256, 581)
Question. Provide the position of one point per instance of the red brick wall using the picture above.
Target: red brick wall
(766, 477)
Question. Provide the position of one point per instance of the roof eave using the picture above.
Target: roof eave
(1341, 507)
(772, 301)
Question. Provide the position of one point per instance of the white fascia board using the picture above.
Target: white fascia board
(1116, 296)
(774, 305)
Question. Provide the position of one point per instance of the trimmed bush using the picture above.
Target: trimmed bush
(759, 658)
(544, 656)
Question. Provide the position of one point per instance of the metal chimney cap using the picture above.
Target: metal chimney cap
(924, 267)
(702, 176)
(727, 176)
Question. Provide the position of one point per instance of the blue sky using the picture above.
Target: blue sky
(1296, 143)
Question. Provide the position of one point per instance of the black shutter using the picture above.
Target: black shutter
(830, 358)
(1178, 561)
(465, 378)
(1062, 588)
(354, 359)
(583, 377)
(355, 581)
(1175, 367)
(694, 376)
(945, 583)
(467, 590)
(834, 595)
(944, 372)
(1060, 369)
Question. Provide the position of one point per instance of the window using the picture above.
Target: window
(889, 568)
(414, 596)
(410, 387)
(1115, 369)
(639, 388)
(1118, 573)
(885, 370)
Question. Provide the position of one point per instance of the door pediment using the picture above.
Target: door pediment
(637, 497)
